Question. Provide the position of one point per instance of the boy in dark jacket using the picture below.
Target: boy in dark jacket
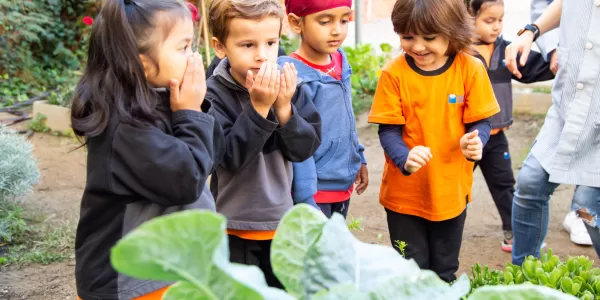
(267, 125)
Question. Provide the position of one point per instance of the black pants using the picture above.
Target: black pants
(338, 207)
(256, 253)
(433, 245)
(497, 170)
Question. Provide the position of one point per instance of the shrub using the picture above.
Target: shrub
(18, 166)
(18, 172)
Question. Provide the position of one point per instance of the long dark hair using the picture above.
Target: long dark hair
(114, 79)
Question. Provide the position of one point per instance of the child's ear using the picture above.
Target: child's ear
(295, 23)
(147, 64)
(219, 48)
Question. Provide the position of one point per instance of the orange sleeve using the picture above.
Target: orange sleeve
(480, 101)
(387, 105)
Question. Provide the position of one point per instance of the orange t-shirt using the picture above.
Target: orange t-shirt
(434, 107)
(156, 295)
(255, 235)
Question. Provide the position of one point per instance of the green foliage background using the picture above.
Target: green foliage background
(42, 44)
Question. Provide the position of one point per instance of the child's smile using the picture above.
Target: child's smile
(428, 51)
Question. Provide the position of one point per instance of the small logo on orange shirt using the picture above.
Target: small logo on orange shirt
(453, 99)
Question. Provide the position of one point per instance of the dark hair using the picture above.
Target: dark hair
(114, 79)
(221, 12)
(448, 18)
(475, 5)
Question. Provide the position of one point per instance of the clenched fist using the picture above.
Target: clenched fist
(417, 158)
(471, 146)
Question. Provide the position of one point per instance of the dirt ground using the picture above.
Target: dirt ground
(63, 178)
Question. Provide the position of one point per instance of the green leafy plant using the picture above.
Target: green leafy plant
(366, 68)
(313, 257)
(38, 124)
(190, 247)
(42, 43)
(518, 292)
(355, 224)
(575, 276)
(12, 222)
(401, 245)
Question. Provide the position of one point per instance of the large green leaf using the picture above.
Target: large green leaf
(424, 285)
(298, 230)
(191, 247)
(341, 292)
(186, 290)
(238, 281)
(338, 258)
(167, 247)
(332, 260)
(518, 292)
(307, 267)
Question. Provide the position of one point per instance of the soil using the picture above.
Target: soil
(63, 178)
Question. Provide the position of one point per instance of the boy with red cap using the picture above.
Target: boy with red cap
(328, 177)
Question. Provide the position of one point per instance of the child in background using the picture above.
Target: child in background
(329, 176)
(151, 145)
(432, 103)
(267, 126)
(495, 163)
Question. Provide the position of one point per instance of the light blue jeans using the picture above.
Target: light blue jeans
(530, 210)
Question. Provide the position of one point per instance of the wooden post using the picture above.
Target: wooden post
(199, 29)
(204, 25)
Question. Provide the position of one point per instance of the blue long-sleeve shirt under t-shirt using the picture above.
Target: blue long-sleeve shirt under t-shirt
(390, 137)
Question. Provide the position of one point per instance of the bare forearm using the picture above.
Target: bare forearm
(550, 19)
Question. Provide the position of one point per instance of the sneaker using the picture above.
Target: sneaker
(507, 242)
(569, 220)
(577, 230)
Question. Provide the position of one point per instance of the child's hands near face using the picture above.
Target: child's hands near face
(362, 179)
(287, 87)
(189, 95)
(417, 158)
(264, 88)
(471, 146)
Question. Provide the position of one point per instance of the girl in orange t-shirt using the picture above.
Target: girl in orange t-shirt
(432, 104)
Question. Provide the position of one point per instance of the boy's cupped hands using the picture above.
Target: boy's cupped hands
(272, 87)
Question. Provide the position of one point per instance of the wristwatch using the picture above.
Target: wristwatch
(531, 27)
